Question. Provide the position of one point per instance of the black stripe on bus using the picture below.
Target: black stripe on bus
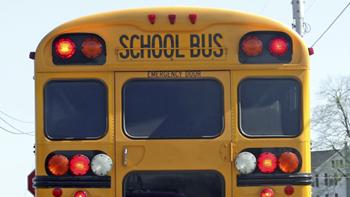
(274, 179)
(72, 182)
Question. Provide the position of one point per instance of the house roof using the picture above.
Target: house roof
(318, 157)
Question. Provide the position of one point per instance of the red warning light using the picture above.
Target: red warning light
(278, 46)
(65, 48)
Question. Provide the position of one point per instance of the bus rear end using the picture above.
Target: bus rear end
(172, 102)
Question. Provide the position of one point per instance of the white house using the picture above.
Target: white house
(331, 173)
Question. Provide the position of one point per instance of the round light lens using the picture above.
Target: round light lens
(80, 194)
(278, 46)
(267, 162)
(267, 192)
(288, 162)
(101, 164)
(58, 165)
(57, 192)
(65, 48)
(289, 190)
(252, 46)
(245, 162)
(79, 165)
(91, 48)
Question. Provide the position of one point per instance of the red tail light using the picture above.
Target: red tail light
(80, 194)
(79, 165)
(278, 46)
(267, 192)
(252, 46)
(91, 48)
(58, 165)
(65, 48)
(267, 162)
(288, 162)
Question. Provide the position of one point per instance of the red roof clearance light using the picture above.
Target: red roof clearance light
(267, 162)
(152, 18)
(193, 18)
(252, 46)
(79, 165)
(172, 18)
(65, 48)
(278, 46)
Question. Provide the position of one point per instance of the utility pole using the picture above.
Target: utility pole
(298, 16)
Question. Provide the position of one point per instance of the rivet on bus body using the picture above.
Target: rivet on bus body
(172, 18)
(193, 18)
(152, 18)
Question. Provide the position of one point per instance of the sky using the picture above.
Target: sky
(24, 23)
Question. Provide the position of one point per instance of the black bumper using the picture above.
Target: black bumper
(274, 179)
(72, 182)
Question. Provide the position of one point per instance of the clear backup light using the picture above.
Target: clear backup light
(101, 164)
(245, 162)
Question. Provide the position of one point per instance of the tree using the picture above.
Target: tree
(331, 117)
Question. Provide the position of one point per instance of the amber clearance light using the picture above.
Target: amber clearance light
(252, 46)
(65, 48)
(91, 48)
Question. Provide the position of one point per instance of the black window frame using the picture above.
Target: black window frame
(106, 128)
(220, 133)
(301, 104)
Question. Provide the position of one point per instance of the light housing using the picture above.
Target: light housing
(101, 164)
(65, 48)
(267, 162)
(79, 165)
(78, 49)
(265, 47)
(288, 162)
(58, 165)
(245, 162)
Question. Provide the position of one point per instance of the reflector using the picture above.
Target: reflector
(58, 165)
(57, 192)
(79, 165)
(65, 48)
(289, 190)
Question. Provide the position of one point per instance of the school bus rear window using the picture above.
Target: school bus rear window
(75, 109)
(270, 107)
(173, 108)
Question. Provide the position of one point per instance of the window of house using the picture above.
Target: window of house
(316, 180)
(326, 179)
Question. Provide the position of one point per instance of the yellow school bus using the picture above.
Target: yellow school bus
(172, 102)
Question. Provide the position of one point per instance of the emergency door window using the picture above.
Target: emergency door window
(75, 109)
(270, 107)
(173, 108)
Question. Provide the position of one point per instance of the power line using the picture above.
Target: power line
(11, 132)
(15, 128)
(312, 4)
(13, 118)
(336, 18)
